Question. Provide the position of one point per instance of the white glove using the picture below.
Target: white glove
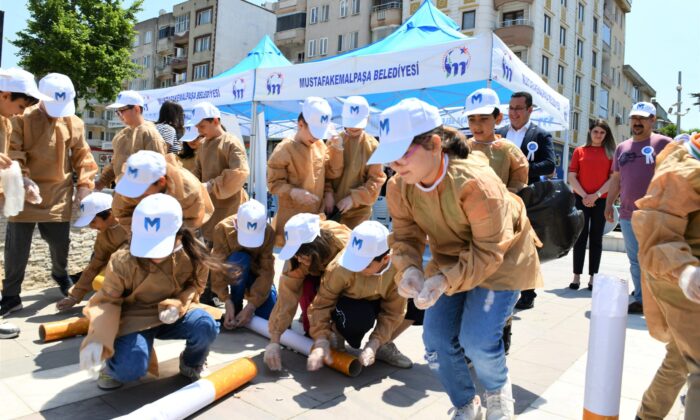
(273, 358)
(433, 288)
(411, 283)
(91, 358)
(321, 353)
(690, 283)
(369, 352)
(31, 191)
(335, 141)
(169, 315)
(80, 194)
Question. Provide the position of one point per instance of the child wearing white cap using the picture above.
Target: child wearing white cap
(246, 240)
(357, 290)
(483, 251)
(356, 190)
(221, 165)
(138, 134)
(505, 158)
(48, 142)
(148, 173)
(96, 212)
(191, 141)
(151, 290)
(299, 167)
(311, 244)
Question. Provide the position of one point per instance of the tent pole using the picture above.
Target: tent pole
(565, 158)
(253, 150)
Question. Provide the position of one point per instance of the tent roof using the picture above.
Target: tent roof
(265, 54)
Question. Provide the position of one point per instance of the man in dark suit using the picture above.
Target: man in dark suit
(536, 144)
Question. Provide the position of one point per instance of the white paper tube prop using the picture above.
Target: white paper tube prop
(197, 395)
(13, 189)
(606, 348)
(342, 361)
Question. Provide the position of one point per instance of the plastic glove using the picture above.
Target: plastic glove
(229, 315)
(31, 191)
(302, 196)
(207, 186)
(273, 358)
(433, 288)
(5, 161)
(245, 315)
(411, 283)
(66, 303)
(169, 315)
(345, 204)
(328, 202)
(689, 282)
(321, 353)
(335, 141)
(91, 357)
(80, 194)
(369, 352)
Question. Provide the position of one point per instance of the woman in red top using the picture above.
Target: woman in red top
(589, 174)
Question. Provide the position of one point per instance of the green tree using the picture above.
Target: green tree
(668, 130)
(90, 41)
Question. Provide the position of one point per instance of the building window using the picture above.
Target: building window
(545, 66)
(182, 23)
(579, 48)
(592, 93)
(325, 12)
(560, 74)
(89, 136)
(204, 16)
(468, 20)
(202, 43)
(595, 25)
(574, 121)
(201, 71)
(137, 40)
(355, 7)
(513, 18)
(293, 21)
(147, 62)
(563, 3)
(547, 24)
(323, 46)
(340, 42)
(300, 57)
(343, 9)
(562, 35)
(603, 104)
(166, 83)
(606, 34)
(311, 51)
(166, 31)
(581, 11)
(313, 16)
(577, 85)
(594, 59)
(354, 40)
(148, 37)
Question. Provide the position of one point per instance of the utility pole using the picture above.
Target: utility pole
(679, 88)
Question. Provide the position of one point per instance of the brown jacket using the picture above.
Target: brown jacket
(360, 181)
(222, 161)
(338, 281)
(506, 159)
(667, 227)
(184, 187)
(50, 151)
(295, 165)
(478, 232)
(135, 290)
(190, 163)
(129, 141)
(106, 244)
(262, 262)
(292, 282)
(5, 130)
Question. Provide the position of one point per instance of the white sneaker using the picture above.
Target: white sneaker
(499, 404)
(388, 353)
(471, 411)
(8, 330)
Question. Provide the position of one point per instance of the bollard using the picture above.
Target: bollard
(606, 348)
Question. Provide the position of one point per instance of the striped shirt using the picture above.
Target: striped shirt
(168, 133)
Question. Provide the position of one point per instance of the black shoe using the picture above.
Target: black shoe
(64, 283)
(635, 308)
(574, 286)
(9, 304)
(590, 286)
(207, 297)
(506, 336)
(525, 303)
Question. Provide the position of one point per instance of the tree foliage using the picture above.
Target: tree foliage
(90, 41)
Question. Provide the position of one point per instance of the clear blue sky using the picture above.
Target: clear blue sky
(660, 42)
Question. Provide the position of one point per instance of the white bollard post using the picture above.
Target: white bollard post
(606, 348)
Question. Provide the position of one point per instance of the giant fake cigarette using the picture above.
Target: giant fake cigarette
(52, 331)
(342, 361)
(606, 349)
(197, 395)
(97, 282)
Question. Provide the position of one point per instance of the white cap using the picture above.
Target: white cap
(204, 110)
(317, 114)
(20, 81)
(643, 109)
(154, 225)
(481, 102)
(367, 241)
(355, 112)
(191, 133)
(399, 124)
(126, 98)
(59, 88)
(143, 168)
(91, 205)
(301, 229)
(252, 221)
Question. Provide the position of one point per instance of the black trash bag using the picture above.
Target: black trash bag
(551, 208)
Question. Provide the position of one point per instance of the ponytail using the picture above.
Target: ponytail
(199, 254)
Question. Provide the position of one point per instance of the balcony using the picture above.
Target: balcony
(606, 80)
(289, 6)
(515, 32)
(94, 121)
(182, 38)
(625, 5)
(290, 37)
(165, 44)
(385, 15)
(179, 64)
(498, 3)
(164, 70)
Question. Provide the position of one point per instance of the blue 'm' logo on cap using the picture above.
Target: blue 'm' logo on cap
(82, 207)
(155, 222)
(133, 172)
(324, 118)
(477, 98)
(357, 243)
(286, 235)
(355, 109)
(252, 225)
(384, 126)
(59, 96)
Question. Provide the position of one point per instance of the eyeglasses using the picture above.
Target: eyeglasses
(627, 157)
(411, 150)
(126, 108)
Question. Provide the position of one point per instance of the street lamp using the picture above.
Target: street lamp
(678, 112)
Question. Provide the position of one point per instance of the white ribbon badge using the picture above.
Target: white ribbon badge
(531, 149)
(648, 152)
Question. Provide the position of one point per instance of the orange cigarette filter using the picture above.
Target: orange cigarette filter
(52, 331)
(232, 376)
(587, 415)
(345, 363)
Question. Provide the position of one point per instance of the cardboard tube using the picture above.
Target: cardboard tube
(606, 348)
(51, 331)
(342, 362)
(192, 398)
